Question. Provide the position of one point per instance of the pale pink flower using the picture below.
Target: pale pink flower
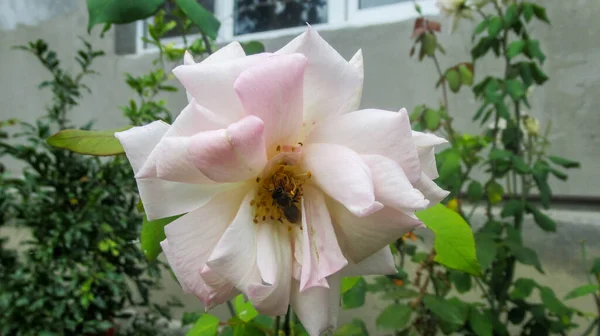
(285, 185)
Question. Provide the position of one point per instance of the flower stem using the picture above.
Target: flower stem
(230, 307)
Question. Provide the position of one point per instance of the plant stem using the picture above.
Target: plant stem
(286, 322)
(276, 326)
(206, 43)
(486, 294)
(230, 307)
(448, 124)
(591, 327)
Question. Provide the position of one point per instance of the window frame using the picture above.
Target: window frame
(340, 14)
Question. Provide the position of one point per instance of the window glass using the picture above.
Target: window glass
(252, 16)
(362, 4)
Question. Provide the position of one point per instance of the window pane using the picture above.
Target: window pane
(376, 3)
(252, 16)
(169, 16)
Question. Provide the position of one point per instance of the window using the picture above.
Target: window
(245, 20)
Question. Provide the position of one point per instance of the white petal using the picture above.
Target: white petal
(234, 257)
(353, 102)
(425, 143)
(139, 142)
(322, 255)
(373, 132)
(431, 190)
(392, 187)
(218, 289)
(274, 260)
(362, 237)
(318, 307)
(343, 175)
(330, 81)
(231, 51)
(195, 118)
(192, 237)
(380, 263)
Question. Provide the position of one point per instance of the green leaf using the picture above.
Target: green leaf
(480, 322)
(481, 27)
(512, 208)
(244, 310)
(466, 75)
(474, 191)
(494, 192)
(582, 291)
(454, 241)
(207, 325)
(395, 316)
(540, 13)
(429, 44)
(153, 232)
(527, 11)
(98, 143)
(450, 164)
(517, 315)
(551, 302)
(355, 297)
(515, 48)
(354, 328)
(453, 79)
(253, 47)
(541, 219)
(348, 283)
(525, 255)
(564, 162)
(512, 15)
(120, 11)
(487, 248)
(444, 309)
(520, 166)
(202, 18)
(522, 288)
(461, 281)
(432, 119)
(596, 267)
(515, 89)
(495, 26)
(532, 50)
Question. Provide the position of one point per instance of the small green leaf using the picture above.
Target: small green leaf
(525, 255)
(466, 75)
(512, 208)
(461, 281)
(532, 50)
(348, 283)
(450, 164)
(596, 267)
(429, 44)
(253, 47)
(527, 11)
(354, 328)
(494, 192)
(454, 243)
(515, 89)
(495, 26)
(355, 297)
(541, 219)
(153, 232)
(480, 322)
(551, 302)
(453, 79)
(582, 291)
(432, 119)
(564, 162)
(98, 143)
(444, 310)
(540, 13)
(395, 316)
(207, 325)
(474, 191)
(481, 27)
(522, 288)
(487, 248)
(202, 18)
(520, 166)
(515, 48)
(120, 11)
(512, 15)
(244, 310)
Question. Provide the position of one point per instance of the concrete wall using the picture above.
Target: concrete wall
(393, 80)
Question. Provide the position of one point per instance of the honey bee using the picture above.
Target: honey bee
(287, 204)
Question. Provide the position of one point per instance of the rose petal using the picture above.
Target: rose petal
(272, 91)
(362, 237)
(431, 190)
(192, 237)
(235, 154)
(322, 255)
(138, 142)
(274, 260)
(380, 263)
(318, 307)
(373, 132)
(392, 187)
(425, 143)
(343, 175)
(353, 102)
(330, 81)
(218, 289)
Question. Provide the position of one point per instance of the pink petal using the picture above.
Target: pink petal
(218, 289)
(362, 237)
(272, 91)
(392, 187)
(322, 255)
(425, 143)
(274, 260)
(431, 190)
(353, 102)
(192, 237)
(139, 142)
(373, 132)
(195, 118)
(380, 263)
(318, 307)
(330, 81)
(211, 84)
(234, 257)
(231, 51)
(233, 154)
(342, 174)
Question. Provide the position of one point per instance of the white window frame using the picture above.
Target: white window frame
(341, 14)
